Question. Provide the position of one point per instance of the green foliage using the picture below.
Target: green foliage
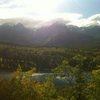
(79, 67)
(96, 83)
(21, 87)
(45, 59)
(79, 86)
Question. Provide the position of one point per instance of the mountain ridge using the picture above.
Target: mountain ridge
(56, 34)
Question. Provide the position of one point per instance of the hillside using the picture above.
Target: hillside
(56, 34)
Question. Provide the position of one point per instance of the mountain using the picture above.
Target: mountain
(17, 34)
(56, 34)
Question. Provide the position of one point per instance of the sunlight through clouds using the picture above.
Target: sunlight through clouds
(20, 8)
(38, 12)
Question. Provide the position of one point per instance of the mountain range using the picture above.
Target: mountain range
(54, 35)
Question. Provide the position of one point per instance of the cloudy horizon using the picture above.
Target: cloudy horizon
(33, 13)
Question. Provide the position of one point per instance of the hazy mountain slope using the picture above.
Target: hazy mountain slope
(57, 34)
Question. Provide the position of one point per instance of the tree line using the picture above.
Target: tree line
(45, 59)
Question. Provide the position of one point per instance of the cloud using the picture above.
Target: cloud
(35, 20)
(25, 21)
(22, 8)
(95, 17)
(76, 19)
(65, 18)
(86, 22)
(71, 19)
(4, 1)
(34, 13)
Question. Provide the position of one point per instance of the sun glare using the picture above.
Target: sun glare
(30, 8)
(42, 6)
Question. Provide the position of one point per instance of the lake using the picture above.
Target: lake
(57, 80)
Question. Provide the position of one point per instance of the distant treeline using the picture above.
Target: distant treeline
(45, 59)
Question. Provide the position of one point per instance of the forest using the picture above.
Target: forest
(80, 67)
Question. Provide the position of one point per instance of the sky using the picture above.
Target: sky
(85, 7)
(37, 12)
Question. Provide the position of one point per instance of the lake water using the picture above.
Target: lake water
(40, 77)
